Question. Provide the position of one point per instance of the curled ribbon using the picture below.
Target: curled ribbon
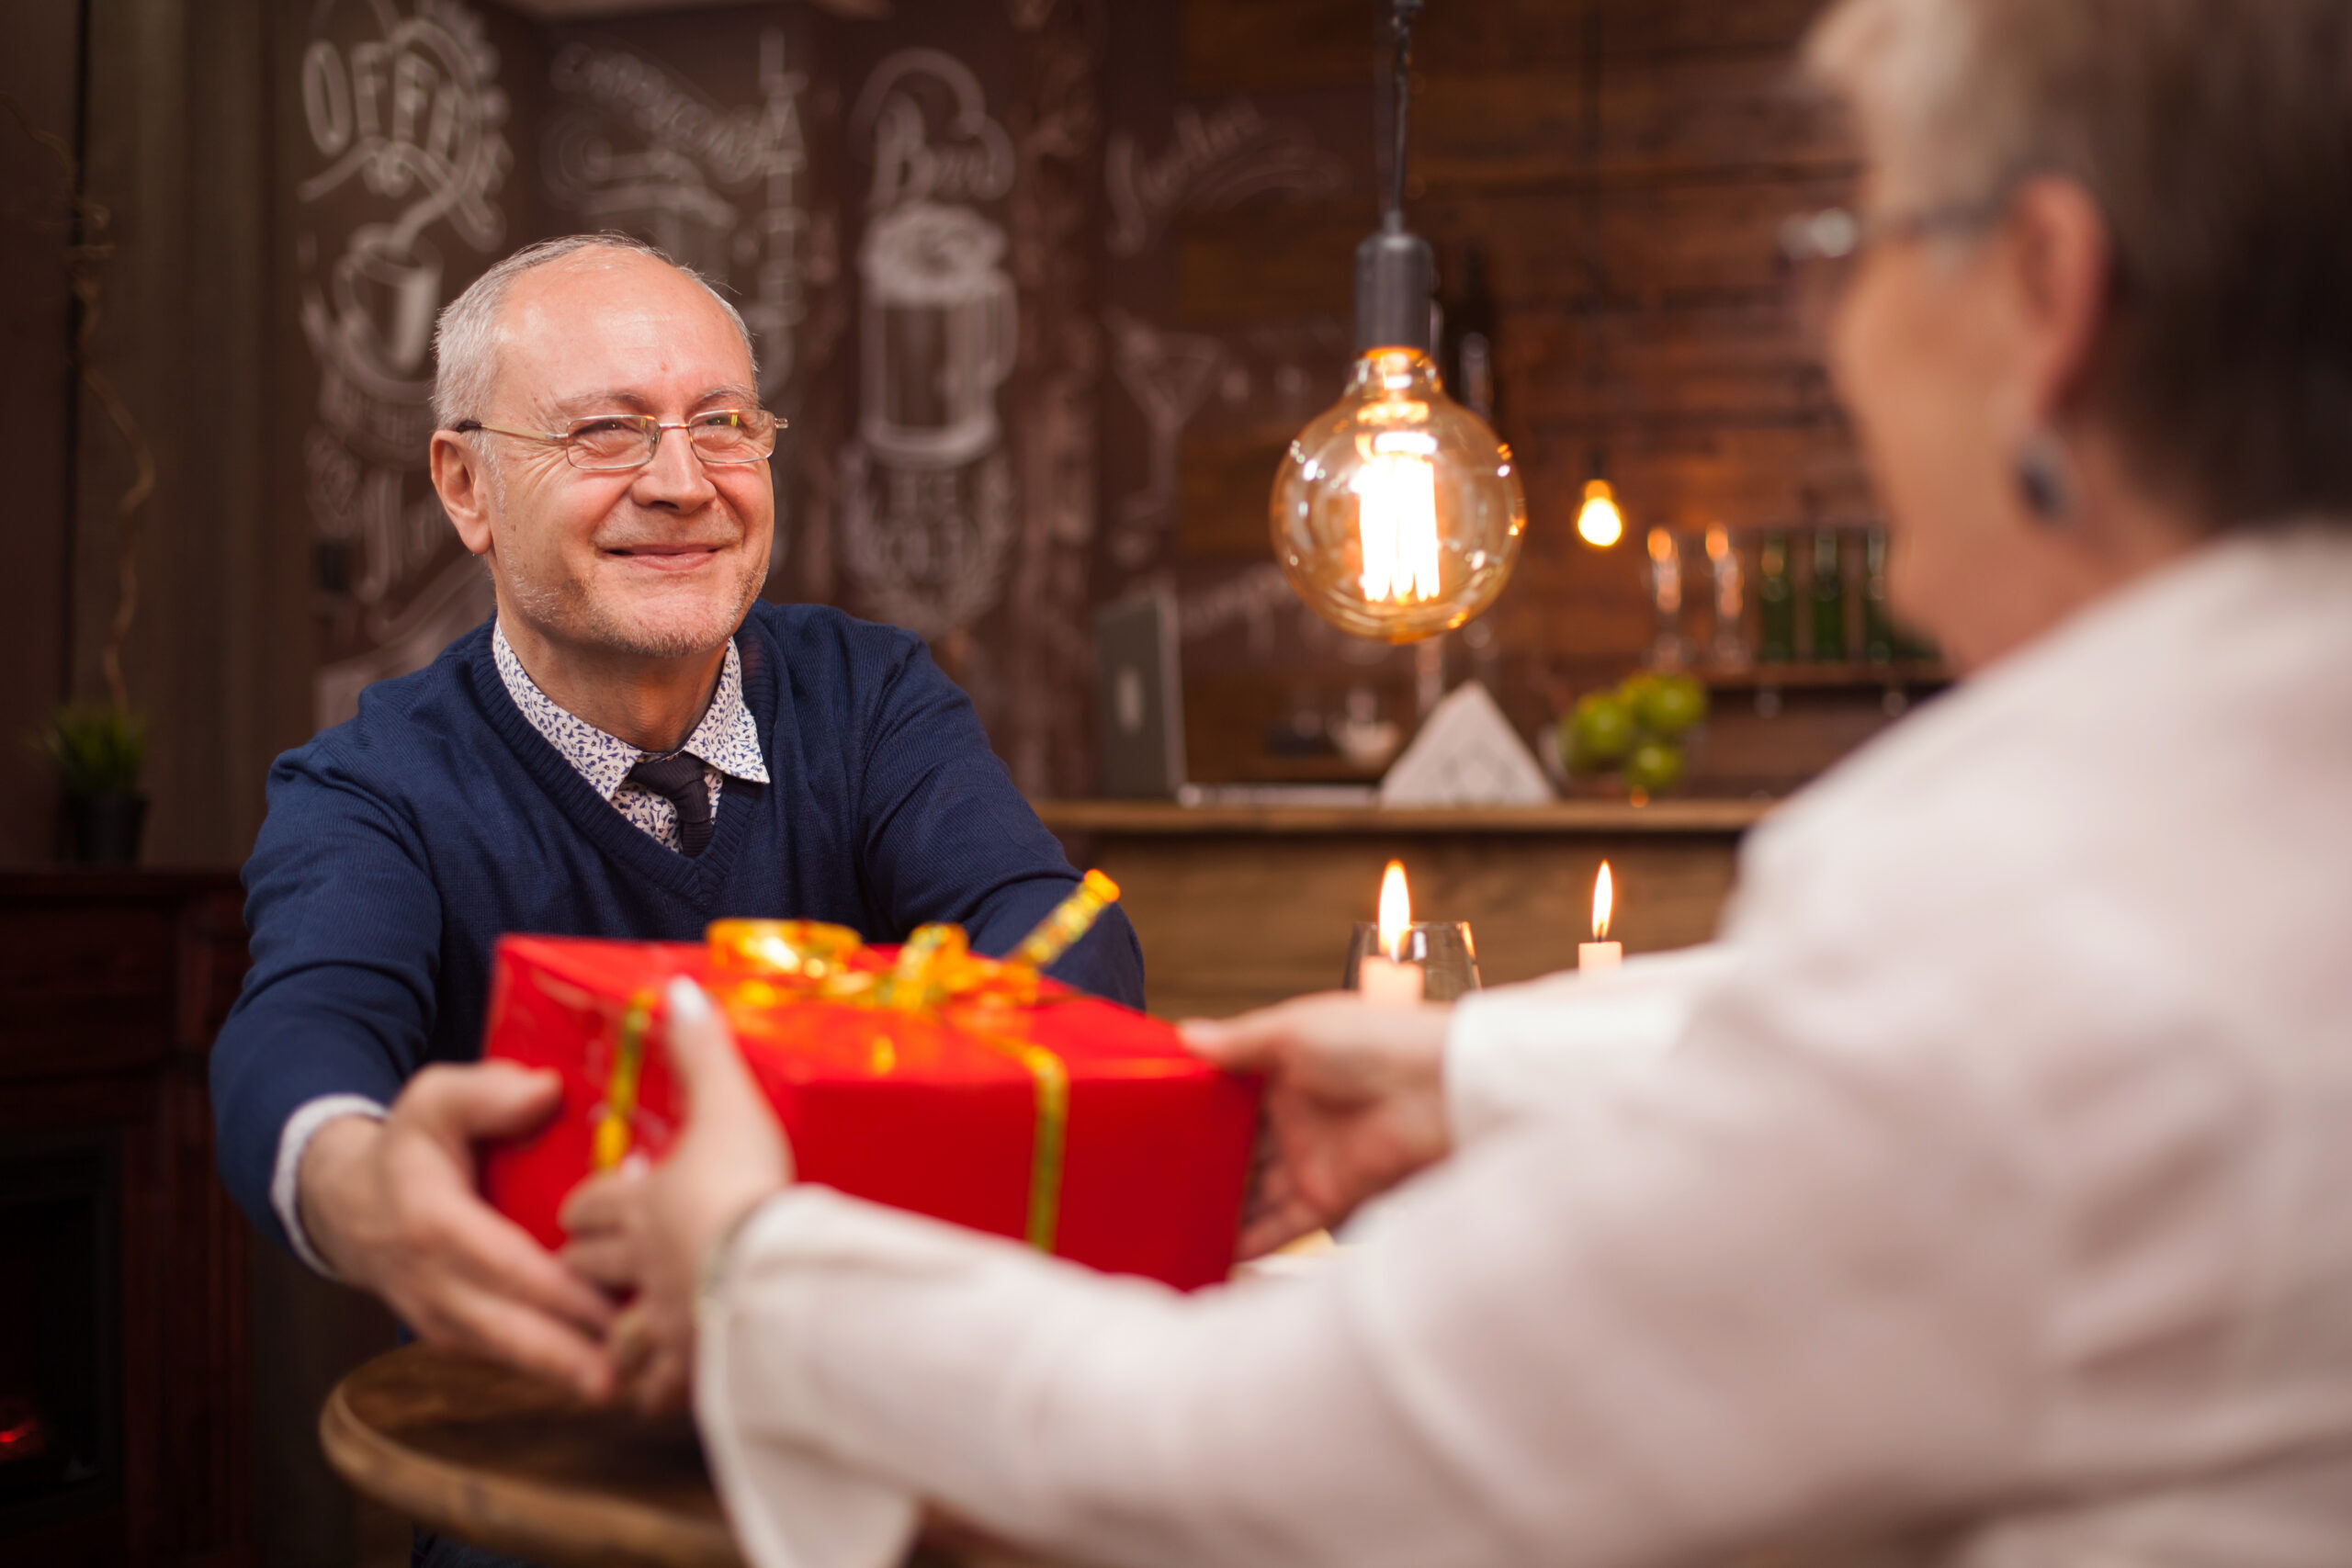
(762, 963)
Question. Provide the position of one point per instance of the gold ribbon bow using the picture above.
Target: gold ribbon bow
(771, 962)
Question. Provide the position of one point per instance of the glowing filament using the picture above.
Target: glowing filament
(1396, 519)
(1604, 899)
(1396, 909)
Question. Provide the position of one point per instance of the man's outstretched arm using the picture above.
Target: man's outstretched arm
(331, 1138)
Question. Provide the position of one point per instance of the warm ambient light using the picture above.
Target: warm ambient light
(1396, 909)
(1599, 523)
(1600, 952)
(1397, 513)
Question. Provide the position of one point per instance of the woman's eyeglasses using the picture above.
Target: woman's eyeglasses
(1820, 249)
(611, 443)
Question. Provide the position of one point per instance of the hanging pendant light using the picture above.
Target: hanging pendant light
(1398, 511)
(1598, 522)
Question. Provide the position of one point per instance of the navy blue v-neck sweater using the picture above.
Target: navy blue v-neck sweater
(401, 845)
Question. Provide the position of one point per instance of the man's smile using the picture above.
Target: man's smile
(666, 555)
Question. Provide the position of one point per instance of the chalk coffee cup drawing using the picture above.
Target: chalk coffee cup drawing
(387, 292)
(940, 318)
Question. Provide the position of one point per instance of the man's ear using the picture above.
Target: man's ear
(2062, 256)
(462, 478)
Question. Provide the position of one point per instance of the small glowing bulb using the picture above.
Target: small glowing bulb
(1599, 523)
(1398, 513)
(1396, 909)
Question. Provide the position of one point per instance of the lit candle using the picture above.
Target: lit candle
(1387, 978)
(1600, 952)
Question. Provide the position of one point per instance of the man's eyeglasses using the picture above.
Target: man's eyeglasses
(1820, 249)
(610, 443)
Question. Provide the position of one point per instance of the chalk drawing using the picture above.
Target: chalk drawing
(926, 491)
(638, 149)
(1213, 160)
(406, 109)
(1170, 375)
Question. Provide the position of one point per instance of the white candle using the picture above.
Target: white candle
(1600, 952)
(1388, 978)
(1389, 982)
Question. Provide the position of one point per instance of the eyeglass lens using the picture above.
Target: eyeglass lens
(729, 435)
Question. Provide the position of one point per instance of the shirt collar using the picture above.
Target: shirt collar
(727, 738)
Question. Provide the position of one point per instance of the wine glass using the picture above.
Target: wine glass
(1448, 958)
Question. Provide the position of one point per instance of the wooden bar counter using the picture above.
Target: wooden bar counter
(1241, 906)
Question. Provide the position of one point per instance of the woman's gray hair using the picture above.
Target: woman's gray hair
(2216, 138)
(466, 338)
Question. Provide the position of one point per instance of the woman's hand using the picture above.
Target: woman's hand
(650, 1230)
(1355, 1095)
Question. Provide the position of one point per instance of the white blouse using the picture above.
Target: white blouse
(1993, 1207)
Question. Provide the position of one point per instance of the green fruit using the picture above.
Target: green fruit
(1634, 691)
(1654, 767)
(1599, 733)
(1671, 703)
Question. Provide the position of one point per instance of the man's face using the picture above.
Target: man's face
(658, 562)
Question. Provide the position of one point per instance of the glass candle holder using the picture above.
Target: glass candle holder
(1441, 949)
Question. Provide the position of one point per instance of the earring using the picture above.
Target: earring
(2045, 479)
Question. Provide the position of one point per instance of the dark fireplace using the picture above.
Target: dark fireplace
(60, 1330)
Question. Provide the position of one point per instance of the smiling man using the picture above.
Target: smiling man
(636, 746)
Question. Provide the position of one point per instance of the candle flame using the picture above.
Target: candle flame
(1604, 900)
(1396, 909)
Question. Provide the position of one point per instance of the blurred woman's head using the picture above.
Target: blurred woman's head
(2098, 308)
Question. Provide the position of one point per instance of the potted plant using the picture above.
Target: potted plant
(98, 749)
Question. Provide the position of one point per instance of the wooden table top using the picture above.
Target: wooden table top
(510, 1463)
(1564, 817)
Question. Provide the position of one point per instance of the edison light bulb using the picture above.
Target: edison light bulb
(1599, 523)
(1398, 513)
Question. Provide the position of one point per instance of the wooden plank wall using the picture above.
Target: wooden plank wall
(1624, 165)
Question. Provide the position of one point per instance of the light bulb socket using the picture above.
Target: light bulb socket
(1395, 276)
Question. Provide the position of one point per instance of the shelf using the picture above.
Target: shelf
(1825, 677)
(1167, 818)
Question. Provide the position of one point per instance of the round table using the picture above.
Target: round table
(511, 1463)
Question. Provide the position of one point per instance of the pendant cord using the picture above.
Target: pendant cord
(1406, 13)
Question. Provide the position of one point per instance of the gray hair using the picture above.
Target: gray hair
(2215, 137)
(465, 340)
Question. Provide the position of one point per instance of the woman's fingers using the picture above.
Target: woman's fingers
(609, 1201)
(613, 1259)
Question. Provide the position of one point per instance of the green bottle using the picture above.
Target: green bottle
(1880, 642)
(1776, 603)
(1828, 599)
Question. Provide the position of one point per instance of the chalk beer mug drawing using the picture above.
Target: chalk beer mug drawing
(939, 319)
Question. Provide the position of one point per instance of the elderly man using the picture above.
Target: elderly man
(635, 747)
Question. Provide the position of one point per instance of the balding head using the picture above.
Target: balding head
(466, 341)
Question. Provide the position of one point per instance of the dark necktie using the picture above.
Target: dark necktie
(677, 778)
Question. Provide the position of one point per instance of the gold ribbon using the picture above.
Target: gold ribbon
(774, 962)
(611, 1138)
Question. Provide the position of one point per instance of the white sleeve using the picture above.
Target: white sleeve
(1518, 1050)
(284, 1178)
(1702, 1305)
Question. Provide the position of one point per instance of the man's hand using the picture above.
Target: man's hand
(392, 1206)
(1355, 1096)
(651, 1230)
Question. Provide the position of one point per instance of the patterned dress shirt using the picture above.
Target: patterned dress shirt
(727, 743)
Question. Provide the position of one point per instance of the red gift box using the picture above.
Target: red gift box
(998, 1100)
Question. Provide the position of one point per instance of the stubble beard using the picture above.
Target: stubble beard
(571, 607)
